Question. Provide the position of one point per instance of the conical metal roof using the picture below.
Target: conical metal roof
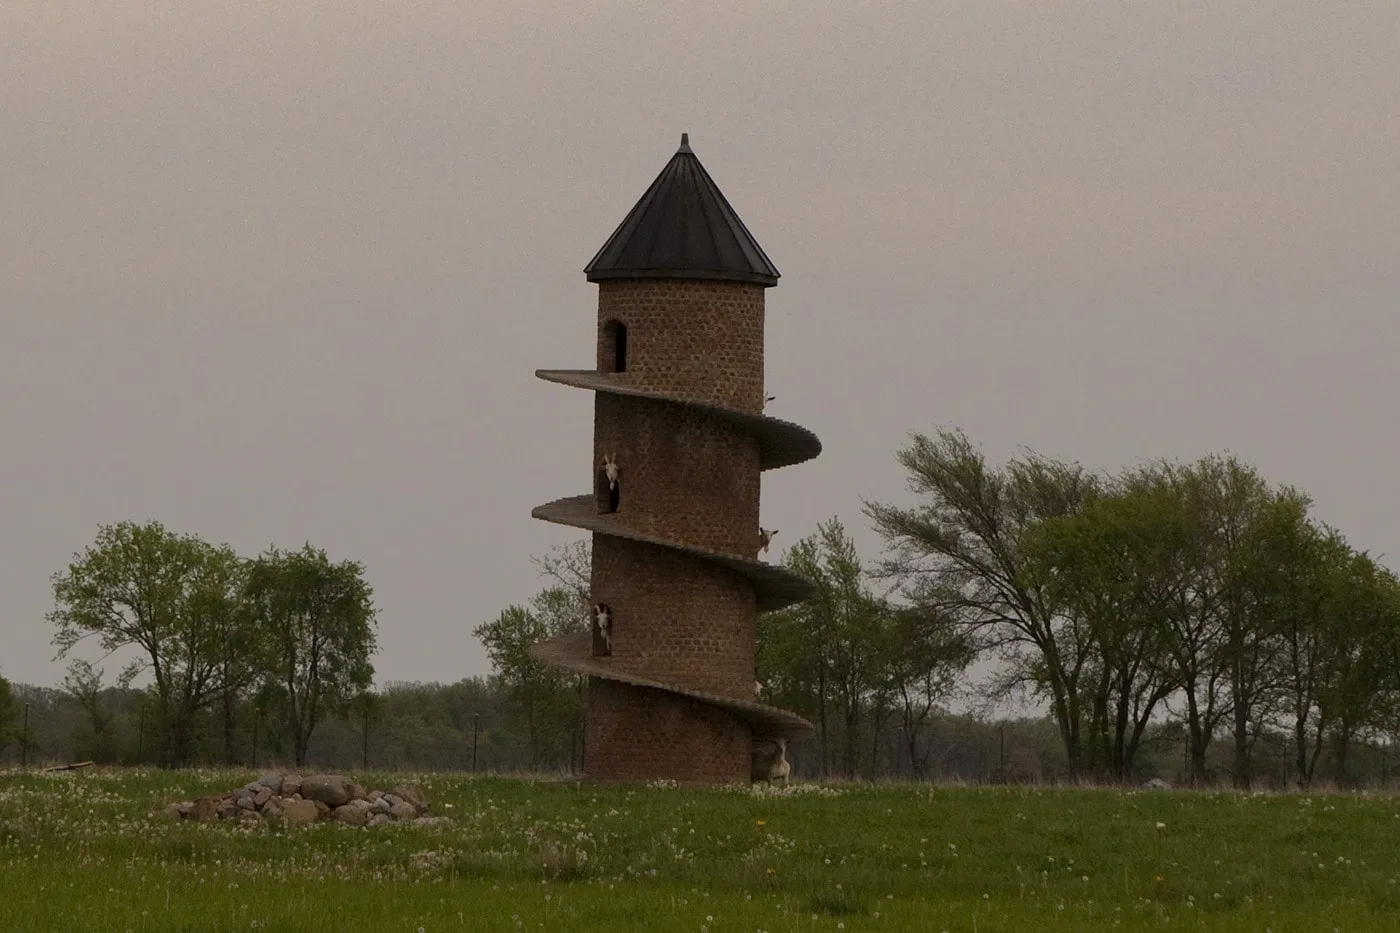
(683, 227)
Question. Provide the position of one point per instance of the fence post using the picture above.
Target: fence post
(24, 742)
(476, 722)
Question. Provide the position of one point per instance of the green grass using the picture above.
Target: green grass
(89, 852)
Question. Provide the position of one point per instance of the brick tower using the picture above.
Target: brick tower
(678, 407)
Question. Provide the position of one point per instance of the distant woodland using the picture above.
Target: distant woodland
(1191, 622)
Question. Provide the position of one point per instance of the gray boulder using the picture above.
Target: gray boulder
(354, 813)
(333, 790)
(300, 812)
(205, 808)
(413, 794)
(272, 811)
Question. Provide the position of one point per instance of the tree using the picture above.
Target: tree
(318, 622)
(1241, 514)
(923, 658)
(1310, 557)
(1114, 566)
(544, 698)
(957, 555)
(172, 596)
(7, 713)
(83, 683)
(848, 651)
(1361, 642)
(365, 707)
(844, 624)
(798, 647)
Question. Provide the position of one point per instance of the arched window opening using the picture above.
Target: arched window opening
(609, 493)
(614, 347)
(602, 630)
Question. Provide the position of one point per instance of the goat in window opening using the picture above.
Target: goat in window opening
(757, 690)
(602, 620)
(764, 537)
(610, 470)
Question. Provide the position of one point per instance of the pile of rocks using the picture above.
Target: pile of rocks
(293, 800)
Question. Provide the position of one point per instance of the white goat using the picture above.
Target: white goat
(780, 767)
(602, 616)
(765, 536)
(757, 690)
(610, 469)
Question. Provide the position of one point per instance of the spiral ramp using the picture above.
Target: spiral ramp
(780, 443)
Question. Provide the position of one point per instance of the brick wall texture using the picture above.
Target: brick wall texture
(639, 734)
(691, 478)
(677, 619)
(700, 340)
(683, 475)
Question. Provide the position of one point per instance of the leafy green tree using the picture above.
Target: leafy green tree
(844, 627)
(171, 596)
(1361, 627)
(1242, 514)
(548, 701)
(923, 660)
(1194, 603)
(84, 684)
(1113, 566)
(7, 714)
(848, 654)
(957, 555)
(1309, 557)
(317, 625)
(364, 708)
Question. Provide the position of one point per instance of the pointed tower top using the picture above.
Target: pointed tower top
(683, 228)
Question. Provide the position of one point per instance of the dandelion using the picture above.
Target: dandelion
(1161, 826)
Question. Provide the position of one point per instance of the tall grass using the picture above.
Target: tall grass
(90, 851)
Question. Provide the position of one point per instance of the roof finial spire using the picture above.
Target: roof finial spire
(685, 143)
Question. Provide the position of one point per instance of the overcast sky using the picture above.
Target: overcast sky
(282, 271)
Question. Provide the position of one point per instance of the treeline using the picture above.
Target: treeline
(1165, 605)
(474, 724)
(282, 640)
(1196, 595)
(1185, 621)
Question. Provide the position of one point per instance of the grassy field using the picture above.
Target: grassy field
(90, 852)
